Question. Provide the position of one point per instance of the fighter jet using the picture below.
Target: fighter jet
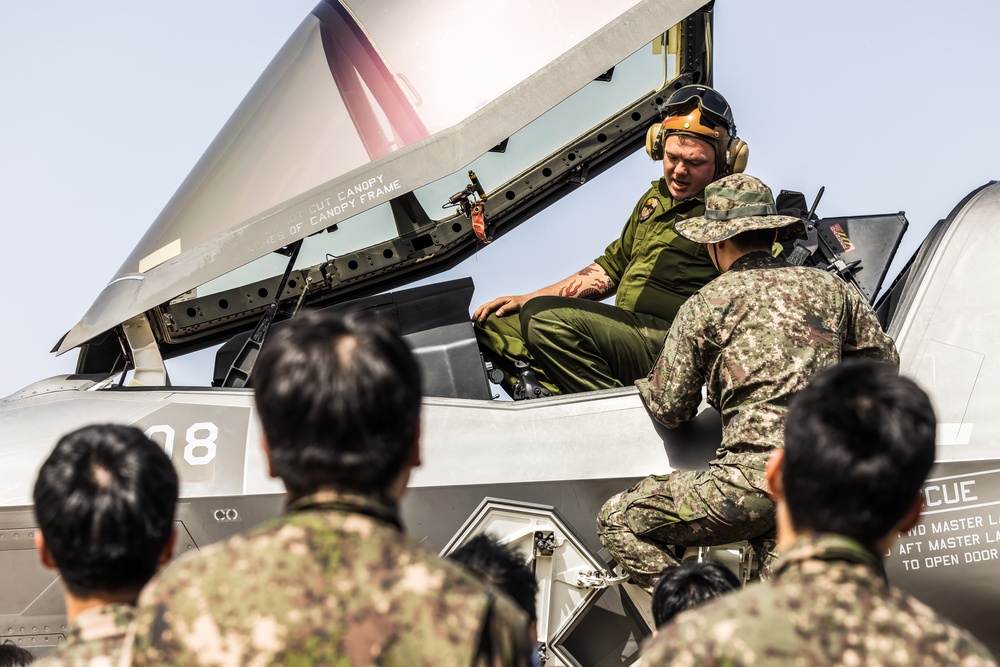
(369, 156)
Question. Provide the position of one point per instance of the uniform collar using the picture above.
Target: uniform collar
(757, 260)
(106, 621)
(829, 547)
(378, 507)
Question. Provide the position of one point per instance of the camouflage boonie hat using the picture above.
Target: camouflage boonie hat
(735, 204)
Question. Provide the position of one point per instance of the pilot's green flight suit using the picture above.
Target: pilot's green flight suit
(574, 344)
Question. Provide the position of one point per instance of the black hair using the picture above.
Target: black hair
(859, 442)
(339, 401)
(12, 655)
(105, 500)
(500, 567)
(753, 239)
(688, 585)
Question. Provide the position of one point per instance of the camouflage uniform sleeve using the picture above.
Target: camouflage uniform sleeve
(863, 335)
(672, 392)
(675, 646)
(505, 637)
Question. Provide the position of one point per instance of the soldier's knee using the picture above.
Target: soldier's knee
(613, 532)
(610, 519)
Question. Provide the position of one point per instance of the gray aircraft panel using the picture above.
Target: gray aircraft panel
(949, 337)
(435, 513)
(582, 436)
(951, 560)
(212, 436)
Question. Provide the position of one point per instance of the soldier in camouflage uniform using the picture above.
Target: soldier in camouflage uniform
(859, 443)
(105, 502)
(334, 581)
(574, 343)
(754, 336)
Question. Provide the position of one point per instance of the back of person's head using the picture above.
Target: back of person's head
(12, 655)
(339, 402)
(105, 501)
(754, 239)
(689, 585)
(500, 567)
(859, 442)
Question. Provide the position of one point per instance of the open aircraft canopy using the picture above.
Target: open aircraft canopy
(355, 125)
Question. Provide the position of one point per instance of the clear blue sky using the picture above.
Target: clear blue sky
(109, 104)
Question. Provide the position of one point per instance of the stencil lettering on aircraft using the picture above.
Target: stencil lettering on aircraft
(323, 212)
(206, 443)
(960, 526)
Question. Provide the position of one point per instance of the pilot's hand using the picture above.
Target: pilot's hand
(502, 305)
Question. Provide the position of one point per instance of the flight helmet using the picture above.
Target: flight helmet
(700, 111)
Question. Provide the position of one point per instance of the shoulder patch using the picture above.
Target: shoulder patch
(648, 208)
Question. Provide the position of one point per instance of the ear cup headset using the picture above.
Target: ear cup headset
(700, 111)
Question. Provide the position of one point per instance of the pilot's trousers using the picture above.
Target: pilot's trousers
(572, 344)
(643, 527)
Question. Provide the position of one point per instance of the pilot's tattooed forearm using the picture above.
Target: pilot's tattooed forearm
(570, 289)
(597, 289)
(588, 285)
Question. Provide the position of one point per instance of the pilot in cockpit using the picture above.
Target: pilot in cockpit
(564, 333)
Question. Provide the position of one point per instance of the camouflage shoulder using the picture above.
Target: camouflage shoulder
(206, 556)
(962, 648)
(819, 275)
(94, 638)
(731, 630)
(461, 579)
(676, 645)
(53, 659)
(81, 657)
